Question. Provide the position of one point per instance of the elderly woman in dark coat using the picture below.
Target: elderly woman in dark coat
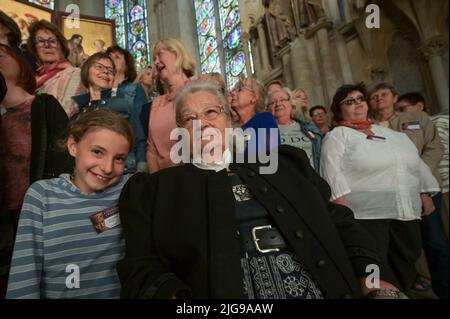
(216, 229)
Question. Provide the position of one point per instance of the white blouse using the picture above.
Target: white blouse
(380, 179)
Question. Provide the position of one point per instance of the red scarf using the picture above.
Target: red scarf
(361, 126)
(47, 71)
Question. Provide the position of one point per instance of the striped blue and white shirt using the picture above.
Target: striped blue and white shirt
(56, 239)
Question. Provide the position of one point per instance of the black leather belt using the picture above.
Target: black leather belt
(263, 239)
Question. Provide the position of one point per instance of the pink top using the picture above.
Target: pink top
(162, 122)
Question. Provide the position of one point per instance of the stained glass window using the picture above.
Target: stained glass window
(131, 27)
(50, 4)
(219, 35)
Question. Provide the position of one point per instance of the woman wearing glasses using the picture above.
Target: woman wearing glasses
(97, 74)
(216, 229)
(378, 173)
(56, 76)
(293, 130)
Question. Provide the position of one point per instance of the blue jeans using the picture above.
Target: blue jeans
(435, 246)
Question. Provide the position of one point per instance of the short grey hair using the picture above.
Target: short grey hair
(200, 86)
(296, 112)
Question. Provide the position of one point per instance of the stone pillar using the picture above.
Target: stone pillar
(301, 67)
(92, 8)
(327, 63)
(433, 50)
(244, 43)
(316, 95)
(285, 56)
(61, 5)
(344, 61)
(263, 49)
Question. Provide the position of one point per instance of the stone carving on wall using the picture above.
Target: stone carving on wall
(307, 12)
(279, 25)
(434, 47)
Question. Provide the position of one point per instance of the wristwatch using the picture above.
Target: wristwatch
(395, 294)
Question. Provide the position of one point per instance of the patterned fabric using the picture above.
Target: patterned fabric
(16, 132)
(277, 276)
(441, 123)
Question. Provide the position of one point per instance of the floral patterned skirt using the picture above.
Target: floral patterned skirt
(277, 275)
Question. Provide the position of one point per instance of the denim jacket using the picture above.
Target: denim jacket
(316, 137)
(127, 101)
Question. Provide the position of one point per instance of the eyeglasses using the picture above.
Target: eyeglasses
(209, 113)
(103, 68)
(50, 42)
(273, 103)
(318, 114)
(352, 101)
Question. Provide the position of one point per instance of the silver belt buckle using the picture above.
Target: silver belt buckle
(255, 240)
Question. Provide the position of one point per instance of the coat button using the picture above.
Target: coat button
(321, 263)
(299, 234)
(251, 174)
(264, 190)
(280, 209)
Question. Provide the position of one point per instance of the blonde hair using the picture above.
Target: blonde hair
(184, 60)
(256, 87)
(303, 115)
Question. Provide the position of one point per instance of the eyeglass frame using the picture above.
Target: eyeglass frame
(104, 68)
(221, 110)
(41, 42)
(353, 101)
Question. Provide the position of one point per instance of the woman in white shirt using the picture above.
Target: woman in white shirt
(378, 173)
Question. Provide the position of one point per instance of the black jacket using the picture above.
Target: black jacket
(180, 232)
(49, 123)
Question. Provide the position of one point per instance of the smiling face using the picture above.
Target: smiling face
(100, 158)
(356, 111)
(48, 47)
(164, 61)
(281, 107)
(101, 74)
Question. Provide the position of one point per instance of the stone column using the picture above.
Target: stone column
(285, 55)
(316, 96)
(92, 8)
(344, 61)
(263, 49)
(301, 67)
(244, 43)
(327, 63)
(433, 50)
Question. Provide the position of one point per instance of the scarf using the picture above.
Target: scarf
(48, 71)
(361, 126)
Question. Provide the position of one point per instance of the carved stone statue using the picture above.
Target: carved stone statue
(281, 30)
(307, 12)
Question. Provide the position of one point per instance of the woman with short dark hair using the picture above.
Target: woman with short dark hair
(378, 173)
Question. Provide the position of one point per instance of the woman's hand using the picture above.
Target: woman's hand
(427, 204)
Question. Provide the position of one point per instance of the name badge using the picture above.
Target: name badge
(310, 135)
(106, 219)
(376, 138)
(415, 125)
